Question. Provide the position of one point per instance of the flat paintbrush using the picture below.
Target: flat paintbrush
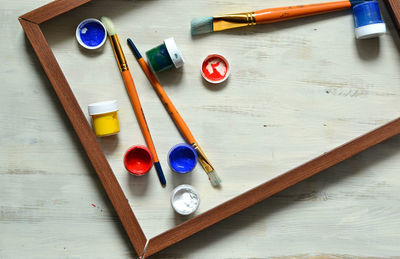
(131, 89)
(179, 122)
(271, 15)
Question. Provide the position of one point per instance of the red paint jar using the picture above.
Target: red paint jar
(215, 69)
(138, 160)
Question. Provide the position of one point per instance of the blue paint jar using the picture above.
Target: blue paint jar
(91, 34)
(368, 20)
(182, 158)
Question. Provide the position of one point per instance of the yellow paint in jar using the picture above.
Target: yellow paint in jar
(104, 118)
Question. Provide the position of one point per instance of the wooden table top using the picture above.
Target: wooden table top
(297, 89)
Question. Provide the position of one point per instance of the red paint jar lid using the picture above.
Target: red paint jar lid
(215, 69)
(138, 160)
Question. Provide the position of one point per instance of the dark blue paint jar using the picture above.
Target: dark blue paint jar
(182, 158)
(368, 20)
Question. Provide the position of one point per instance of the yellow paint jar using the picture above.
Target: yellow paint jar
(104, 118)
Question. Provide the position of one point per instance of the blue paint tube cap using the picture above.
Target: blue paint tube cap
(182, 158)
(368, 20)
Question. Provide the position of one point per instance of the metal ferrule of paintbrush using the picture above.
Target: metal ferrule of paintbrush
(236, 20)
(119, 54)
(205, 163)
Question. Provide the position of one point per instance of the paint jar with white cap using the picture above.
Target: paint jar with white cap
(104, 118)
(368, 21)
(165, 56)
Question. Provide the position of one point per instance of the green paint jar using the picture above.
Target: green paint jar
(165, 56)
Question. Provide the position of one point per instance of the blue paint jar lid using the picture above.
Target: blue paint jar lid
(182, 158)
(91, 34)
(368, 20)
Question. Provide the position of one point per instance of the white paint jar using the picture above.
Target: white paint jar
(185, 199)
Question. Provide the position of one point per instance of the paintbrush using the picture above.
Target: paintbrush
(131, 89)
(230, 21)
(176, 117)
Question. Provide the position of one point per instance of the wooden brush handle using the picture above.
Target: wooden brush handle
(291, 12)
(131, 89)
(179, 122)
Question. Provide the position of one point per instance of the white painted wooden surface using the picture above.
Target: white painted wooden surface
(297, 89)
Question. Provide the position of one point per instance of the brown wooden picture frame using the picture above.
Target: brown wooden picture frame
(31, 25)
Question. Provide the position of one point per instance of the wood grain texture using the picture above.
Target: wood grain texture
(85, 135)
(272, 187)
(394, 9)
(51, 10)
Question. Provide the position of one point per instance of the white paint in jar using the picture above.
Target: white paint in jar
(185, 199)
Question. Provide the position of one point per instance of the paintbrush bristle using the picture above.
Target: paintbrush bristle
(213, 177)
(356, 2)
(201, 25)
(109, 25)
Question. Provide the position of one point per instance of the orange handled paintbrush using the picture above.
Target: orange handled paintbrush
(131, 89)
(271, 15)
(179, 122)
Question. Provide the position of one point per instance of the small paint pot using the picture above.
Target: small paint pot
(165, 56)
(185, 199)
(104, 118)
(215, 69)
(138, 160)
(368, 21)
(91, 34)
(182, 158)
